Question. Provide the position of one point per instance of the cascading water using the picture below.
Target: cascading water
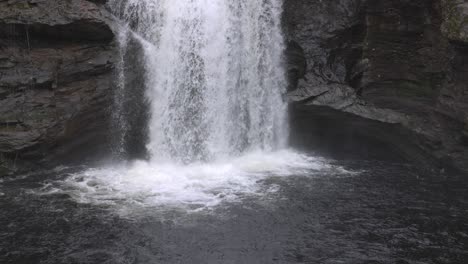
(214, 78)
(214, 75)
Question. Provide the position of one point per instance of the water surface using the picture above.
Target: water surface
(366, 212)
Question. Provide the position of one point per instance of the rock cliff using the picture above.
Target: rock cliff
(402, 63)
(56, 61)
(398, 62)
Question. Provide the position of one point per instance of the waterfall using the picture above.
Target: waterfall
(213, 75)
(206, 76)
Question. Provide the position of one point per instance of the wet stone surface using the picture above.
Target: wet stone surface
(386, 213)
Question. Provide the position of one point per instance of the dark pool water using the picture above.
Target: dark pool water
(386, 213)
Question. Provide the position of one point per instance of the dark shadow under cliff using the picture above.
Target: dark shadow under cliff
(398, 62)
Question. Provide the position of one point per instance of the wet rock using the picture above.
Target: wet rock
(398, 62)
(344, 98)
(296, 64)
(56, 70)
(455, 20)
(465, 128)
(393, 61)
(319, 28)
(6, 63)
(78, 20)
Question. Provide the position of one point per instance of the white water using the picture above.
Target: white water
(214, 75)
(215, 81)
(195, 186)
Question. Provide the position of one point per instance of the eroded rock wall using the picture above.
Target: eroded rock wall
(400, 62)
(56, 70)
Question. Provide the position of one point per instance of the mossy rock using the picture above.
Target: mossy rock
(455, 20)
(22, 5)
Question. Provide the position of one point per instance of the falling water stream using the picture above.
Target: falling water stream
(214, 75)
(215, 81)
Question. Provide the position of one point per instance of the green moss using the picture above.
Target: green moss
(454, 21)
(24, 5)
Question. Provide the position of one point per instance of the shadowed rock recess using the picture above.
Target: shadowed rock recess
(399, 62)
(387, 73)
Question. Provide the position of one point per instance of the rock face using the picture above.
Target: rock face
(399, 62)
(402, 63)
(56, 61)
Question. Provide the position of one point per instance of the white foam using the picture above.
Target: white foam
(199, 185)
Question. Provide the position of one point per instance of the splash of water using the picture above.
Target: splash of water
(214, 75)
(191, 187)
